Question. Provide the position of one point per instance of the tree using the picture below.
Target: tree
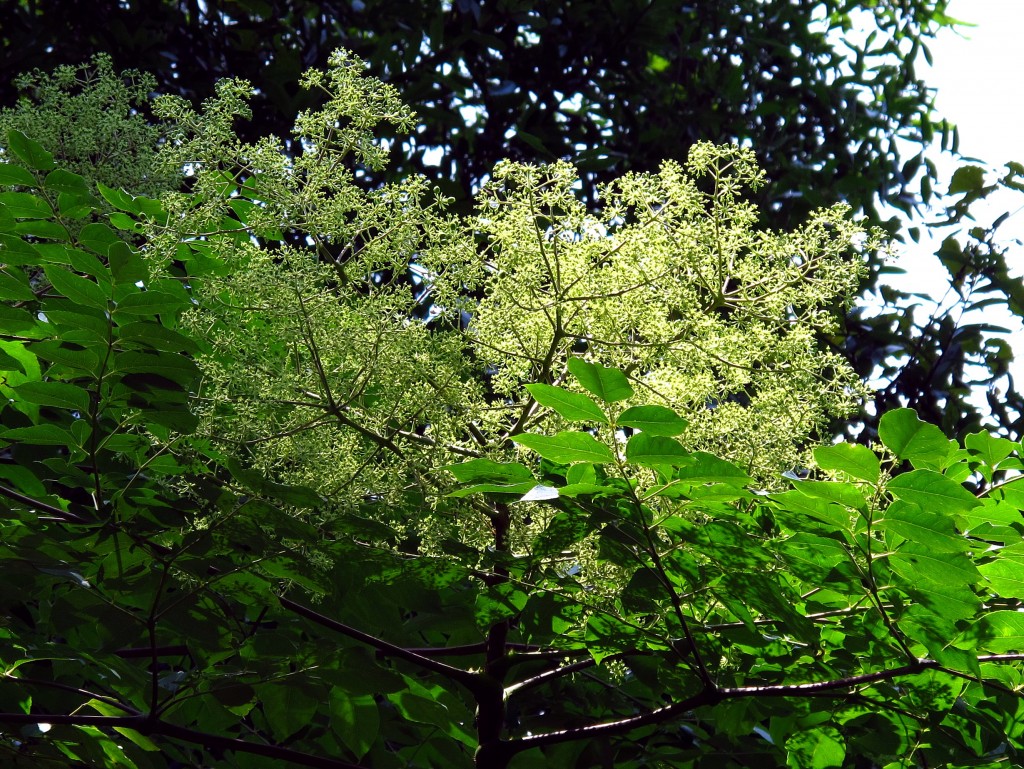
(612, 87)
(491, 569)
(826, 93)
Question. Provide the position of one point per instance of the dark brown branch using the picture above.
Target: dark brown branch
(148, 726)
(479, 648)
(505, 750)
(63, 515)
(75, 690)
(470, 680)
(549, 675)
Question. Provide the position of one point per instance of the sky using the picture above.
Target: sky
(978, 74)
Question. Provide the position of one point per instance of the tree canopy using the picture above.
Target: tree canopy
(826, 93)
(297, 469)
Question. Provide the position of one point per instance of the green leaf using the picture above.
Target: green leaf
(518, 489)
(943, 579)
(653, 420)
(652, 450)
(41, 228)
(29, 151)
(933, 492)
(564, 530)
(288, 706)
(569, 405)
(992, 449)
(40, 435)
(924, 527)
(299, 496)
(608, 384)
(152, 335)
(795, 504)
(118, 199)
(11, 175)
(124, 222)
(100, 238)
(14, 286)
(909, 438)
(67, 354)
(126, 265)
(15, 251)
(707, 468)
(25, 205)
(567, 447)
(60, 180)
(76, 288)
(76, 206)
(486, 470)
(1002, 632)
(497, 603)
(106, 709)
(137, 205)
(150, 303)
(967, 179)
(1005, 573)
(815, 749)
(355, 719)
(852, 459)
(57, 394)
(176, 368)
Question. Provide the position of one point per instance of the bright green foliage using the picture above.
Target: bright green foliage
(255, 409)
(357, 340)
(93, 121)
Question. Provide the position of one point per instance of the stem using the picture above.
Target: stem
(472, 681)
(490, 700)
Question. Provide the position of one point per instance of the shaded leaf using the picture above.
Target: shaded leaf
(29, 151)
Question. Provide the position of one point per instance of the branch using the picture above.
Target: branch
(547, 675)
(470, 680)
(149, 726)
(503, 751)
(56, 512)
(479, 648)
(711, 697)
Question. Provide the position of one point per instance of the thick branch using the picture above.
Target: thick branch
(549, 675)
(35, 504)
(470, 680)
(506, 750)
(479, 648)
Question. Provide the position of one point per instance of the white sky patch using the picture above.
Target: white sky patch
(976, 74)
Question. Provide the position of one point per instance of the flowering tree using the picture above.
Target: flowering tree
(299, 471)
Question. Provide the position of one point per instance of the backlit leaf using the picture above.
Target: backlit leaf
(566, 447)
(921, 443)
(608, 384)
(850, 458)
(654, 420)
(574, 407)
